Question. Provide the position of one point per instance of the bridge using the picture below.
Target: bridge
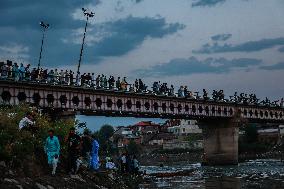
(220, 120)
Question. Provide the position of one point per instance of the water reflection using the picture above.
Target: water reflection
(252, 174)
(223, 183)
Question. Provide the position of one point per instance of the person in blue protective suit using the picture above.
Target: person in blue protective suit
(52, 150)
(94, 164)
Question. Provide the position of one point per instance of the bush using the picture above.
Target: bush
(103, 137)
(253, 147)
(15, 145)
(133, 148)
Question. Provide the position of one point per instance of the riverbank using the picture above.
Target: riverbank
(162, 157)
(16, 178)
(170, 158)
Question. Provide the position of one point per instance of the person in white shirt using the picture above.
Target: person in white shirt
(110, 165)
(26, 122)
(56, 76)
(93, 80)
(79, 162)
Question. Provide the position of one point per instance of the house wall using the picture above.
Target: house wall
(183, 145)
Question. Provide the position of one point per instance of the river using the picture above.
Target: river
(254, 174)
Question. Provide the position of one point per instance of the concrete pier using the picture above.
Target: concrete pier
(220, 140)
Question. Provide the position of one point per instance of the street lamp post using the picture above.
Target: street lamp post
(88, 15)
(45, 27)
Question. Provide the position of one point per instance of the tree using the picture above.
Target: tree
(251, 133)
(103, 136)
(133, 148)
(106, 132)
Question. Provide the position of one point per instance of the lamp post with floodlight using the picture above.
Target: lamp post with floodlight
(87, 15)
(45, 27)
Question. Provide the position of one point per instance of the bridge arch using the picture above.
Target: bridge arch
(88, 102)
(129, 104)
(172, 107)
(147, 105)
(179, 107)
(186, 108)
(213, 110)
(36, 98)
(156, 106)
(50, 99)
(138, 104)
(109, 103)
(193, 109)
(63, 100)
(164, 107)
(22, 97)
(76, 100)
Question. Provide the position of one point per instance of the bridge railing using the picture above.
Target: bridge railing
(101, 83)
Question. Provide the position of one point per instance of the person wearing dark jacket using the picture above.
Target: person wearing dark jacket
(86, 146)
(73, 142)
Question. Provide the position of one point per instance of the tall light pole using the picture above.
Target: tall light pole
(87, 15)
(45, 27)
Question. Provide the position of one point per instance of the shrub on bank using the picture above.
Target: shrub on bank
(17, 146)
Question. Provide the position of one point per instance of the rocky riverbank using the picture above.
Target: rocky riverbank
(11, 178)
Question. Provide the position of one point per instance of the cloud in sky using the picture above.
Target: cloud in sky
(281, 49)
(20, 53)
(126, 34)
(27, 14)
(250, 46)
(192, 65)
(63, 38)
(278, 66)
(138, 1)
(221, 37)
(202, 3)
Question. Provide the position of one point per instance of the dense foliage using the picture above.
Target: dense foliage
(251, 133)
(15, 145)
(103, 136)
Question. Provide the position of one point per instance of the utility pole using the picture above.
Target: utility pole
(87, 15)
(45, 27)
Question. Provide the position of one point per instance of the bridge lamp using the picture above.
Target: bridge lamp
(45, 26)
(87, 15)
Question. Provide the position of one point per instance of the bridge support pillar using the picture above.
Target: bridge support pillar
(220, 141)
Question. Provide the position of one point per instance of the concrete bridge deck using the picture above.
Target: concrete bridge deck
(90, 101)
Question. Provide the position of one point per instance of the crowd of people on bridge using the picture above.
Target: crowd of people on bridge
(15, 72)
(81, 151)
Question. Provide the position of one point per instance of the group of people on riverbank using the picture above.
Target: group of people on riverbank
(128, 163)
(81, 151)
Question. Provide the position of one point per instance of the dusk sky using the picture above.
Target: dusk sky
(235, 45)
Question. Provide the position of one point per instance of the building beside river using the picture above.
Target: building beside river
(184, 127)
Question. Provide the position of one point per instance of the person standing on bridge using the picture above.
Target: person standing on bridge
(73, 144)
(52, 150)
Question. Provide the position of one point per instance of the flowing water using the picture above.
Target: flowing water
(251, 174)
